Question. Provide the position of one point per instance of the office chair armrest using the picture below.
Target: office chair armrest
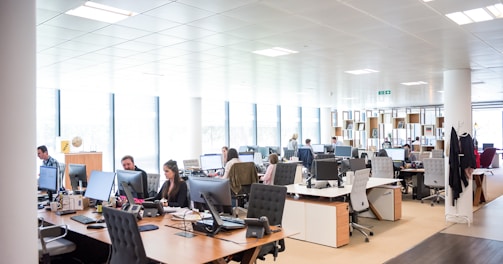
(45, 228)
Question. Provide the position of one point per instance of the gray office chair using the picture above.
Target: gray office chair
(382, 167)
(424, 155)
(437, 153)
(52, 242)
(285, 173)
(62, 168)
(434, 177)
(358, 202)
(153, 181)
(127, 246)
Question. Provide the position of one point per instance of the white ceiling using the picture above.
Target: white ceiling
(204, 48)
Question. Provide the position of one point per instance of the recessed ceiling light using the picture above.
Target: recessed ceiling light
(100, 12)
(496, 10)
(274, 52)
(363, 71)
(460, 18)
(478, 15)
(414, 83)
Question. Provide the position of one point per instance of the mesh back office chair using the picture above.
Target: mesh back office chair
(358, 201)
(434, 177)
(285, 173)
(241, 176)
(268, 200)
(288, 153)
(52, 242)
(61, 179)
(306, 156)
(127, 246)
(153, 181)
(382, 167)
(424, 155)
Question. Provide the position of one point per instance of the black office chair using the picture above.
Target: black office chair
(306, 156)
(285, 173)
(127, 246)
(268, 200)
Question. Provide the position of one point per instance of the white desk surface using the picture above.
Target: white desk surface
(333, 192)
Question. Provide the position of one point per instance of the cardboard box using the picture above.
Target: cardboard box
(74, 202)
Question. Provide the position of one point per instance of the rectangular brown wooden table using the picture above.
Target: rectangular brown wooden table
(165, 245)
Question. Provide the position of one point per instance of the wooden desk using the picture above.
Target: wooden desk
(166, 246)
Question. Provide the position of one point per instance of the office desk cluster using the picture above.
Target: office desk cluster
(321, 219)
(165, 245)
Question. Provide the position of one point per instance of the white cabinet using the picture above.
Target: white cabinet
(385, 201)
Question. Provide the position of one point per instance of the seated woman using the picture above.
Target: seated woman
(174, 189)
(268, 177)
(232, 157)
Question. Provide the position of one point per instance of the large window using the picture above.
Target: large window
(87, 115)
(290, 124)
(213, 126)
(311, 124)
(267, 125)
(241, 124)
(489, 126)
(136, 130)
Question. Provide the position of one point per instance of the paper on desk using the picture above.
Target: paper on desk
(169, 209)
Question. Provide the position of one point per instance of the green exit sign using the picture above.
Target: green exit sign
(384, 92)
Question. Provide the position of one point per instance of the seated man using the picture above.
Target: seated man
(128, 164)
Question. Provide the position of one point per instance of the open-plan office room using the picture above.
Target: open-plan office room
(177, 79)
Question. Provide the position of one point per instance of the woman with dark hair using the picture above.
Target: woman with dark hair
(174, 189)
(232, 157)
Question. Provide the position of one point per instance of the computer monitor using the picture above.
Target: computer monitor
(134, 180)
(246, 156)
(78, 175)
(487, 145)
(211, 162)
(275, 149)
(318, 148)
(264, 151)
(329, 148)
(218, 190)
(48, 180)
(327, 170)
(343, 151)
(100, 186)
(396, 154)
(357, 164)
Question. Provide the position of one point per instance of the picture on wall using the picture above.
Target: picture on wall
(428, 130)
(401, 124)
(375, 133)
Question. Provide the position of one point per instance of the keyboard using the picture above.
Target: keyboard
(83, 219)
(233, 220)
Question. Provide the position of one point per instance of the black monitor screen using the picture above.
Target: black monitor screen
(343, 151)
(487, 145)
(396, 154)
(318, 148)
(326, 169)
(357, 164)
(77, 174)
(211, 161)
(219, 191)
(133, 179)
(264, 151)
(48, 179)
(100, 185)
(246, 157)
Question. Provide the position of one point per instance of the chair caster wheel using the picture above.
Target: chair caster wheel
(422, 201)
(350, 233)
(371, 233)
(432, 204)
(367, 239)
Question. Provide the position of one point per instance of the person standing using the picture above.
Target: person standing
(293, 144)
(47, 160)
(128, 164)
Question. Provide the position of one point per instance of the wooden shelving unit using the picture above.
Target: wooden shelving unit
(413, 118)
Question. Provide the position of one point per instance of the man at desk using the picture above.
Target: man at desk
(47, 160)
(128, 164)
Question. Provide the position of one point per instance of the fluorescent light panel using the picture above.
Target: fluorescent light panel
(477, 14)
(362, 71)
(414, 83)
(100, 12)
(274, 52)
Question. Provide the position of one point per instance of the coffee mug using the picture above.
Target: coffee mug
(54, 206)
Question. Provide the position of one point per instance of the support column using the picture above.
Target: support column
(458, 114)
(326, 129)
(18, 182)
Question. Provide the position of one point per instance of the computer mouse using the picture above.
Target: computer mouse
(95, 227)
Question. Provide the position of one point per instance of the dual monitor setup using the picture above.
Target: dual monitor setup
(326, 170)
(100, 186)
